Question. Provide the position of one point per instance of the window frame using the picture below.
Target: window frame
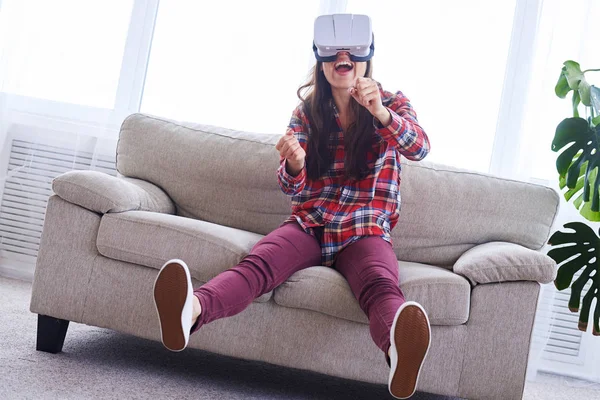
(102, 122)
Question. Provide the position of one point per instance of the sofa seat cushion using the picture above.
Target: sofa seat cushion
(150, 239)
(444, 294)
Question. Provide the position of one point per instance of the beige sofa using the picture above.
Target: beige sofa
(466, 244)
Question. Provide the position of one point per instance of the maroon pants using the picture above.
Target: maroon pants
(369, 265)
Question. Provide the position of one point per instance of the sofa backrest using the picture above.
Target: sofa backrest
(445, 211)
(213, 174)
(229, 178)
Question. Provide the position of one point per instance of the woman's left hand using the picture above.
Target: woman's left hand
(366, 92)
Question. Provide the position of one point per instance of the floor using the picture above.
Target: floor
(103, 364)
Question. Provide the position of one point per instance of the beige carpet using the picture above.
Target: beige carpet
(102, 364)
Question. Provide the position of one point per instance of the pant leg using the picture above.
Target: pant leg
(371, 268)
(271, 261)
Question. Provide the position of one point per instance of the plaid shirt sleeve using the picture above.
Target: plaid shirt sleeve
(293, 185)
(404, 131)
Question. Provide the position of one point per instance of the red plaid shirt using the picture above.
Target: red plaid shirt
(349, 210)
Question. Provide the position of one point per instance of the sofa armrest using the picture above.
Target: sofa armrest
(103, 193)
(504, 261)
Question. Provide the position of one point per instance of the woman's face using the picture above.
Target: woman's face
(342, 72)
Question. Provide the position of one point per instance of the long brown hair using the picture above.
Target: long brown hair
(358, 140)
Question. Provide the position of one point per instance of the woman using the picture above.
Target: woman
(340, 162)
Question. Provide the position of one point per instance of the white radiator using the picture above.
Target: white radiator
(566, 349)
(32, 165)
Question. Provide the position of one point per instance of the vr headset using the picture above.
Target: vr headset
(343, 32)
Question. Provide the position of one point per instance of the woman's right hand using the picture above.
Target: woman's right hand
(290, 149)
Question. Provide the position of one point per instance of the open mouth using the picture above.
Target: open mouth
(343, 66)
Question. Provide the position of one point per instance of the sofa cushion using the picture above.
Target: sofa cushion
(504, 262)
(151, 239)
(102, 193)
(444, 294)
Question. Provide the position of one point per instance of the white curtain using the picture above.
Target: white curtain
(568, 30)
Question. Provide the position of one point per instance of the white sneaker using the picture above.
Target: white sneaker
(410, 338)
(173, 295)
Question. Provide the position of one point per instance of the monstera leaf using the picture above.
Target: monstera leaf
(572, 78)
(585, 246)
(577, 164)
(595, 98)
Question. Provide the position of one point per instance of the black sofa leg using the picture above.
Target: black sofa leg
(51, 334)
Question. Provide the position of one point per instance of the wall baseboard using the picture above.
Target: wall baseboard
(21, 271)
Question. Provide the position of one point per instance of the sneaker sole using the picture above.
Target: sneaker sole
(411, 343)
(170, 292)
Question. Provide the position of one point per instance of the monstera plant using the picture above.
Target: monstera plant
(577, 166)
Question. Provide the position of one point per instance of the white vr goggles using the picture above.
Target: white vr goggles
(343, 32)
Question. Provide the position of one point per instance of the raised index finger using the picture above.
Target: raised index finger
(362, 82)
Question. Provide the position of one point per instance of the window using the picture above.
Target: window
(449, 59)
(557, 42)
(233, 66)
(64, 50)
